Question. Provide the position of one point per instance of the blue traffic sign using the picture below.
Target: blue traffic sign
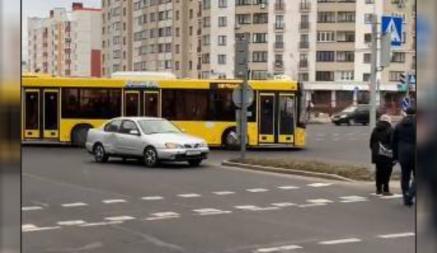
(393, 26)
(412, 79)
(405, 103)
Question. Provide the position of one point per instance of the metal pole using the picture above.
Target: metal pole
(373, 71)
(243, 119)
(407, 83)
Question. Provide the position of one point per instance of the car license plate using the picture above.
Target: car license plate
(193, 152)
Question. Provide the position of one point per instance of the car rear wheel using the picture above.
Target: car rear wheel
(150, 157)
(195, 162)
(99, 154)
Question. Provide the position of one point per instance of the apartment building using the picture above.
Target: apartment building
(335, 52)
(66, 43)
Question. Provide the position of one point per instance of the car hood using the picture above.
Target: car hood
(178, 138)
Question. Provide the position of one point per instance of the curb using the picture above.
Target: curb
(287, 171)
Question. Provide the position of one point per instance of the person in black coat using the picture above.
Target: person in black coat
(404, 151)
(382, 155)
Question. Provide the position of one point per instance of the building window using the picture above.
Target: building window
(259, 56)
(260, 18)
(303, 77)
(223, 3)
(206, 40)
(206, 22)
(398, 57)
(325, 56)
(368, 18)
(259, 75)
(326, 36)
(205, 58)
(367, 38)
(221, 59)
(346, 17)
(243, 19)
(370, 1)
(367, 57)
(222, 21)
(395, 75)
(222, 40)
(243, 2)
(345, 56)
(366, 77)
(345, 36)
(326, 17)
(206, 4)
(324, 76)
(260, 38)
(344, 75)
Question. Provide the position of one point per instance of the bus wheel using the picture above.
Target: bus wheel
(230, 139)
(79, 134)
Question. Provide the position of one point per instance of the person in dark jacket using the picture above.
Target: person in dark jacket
(382, 155)
(404, 151)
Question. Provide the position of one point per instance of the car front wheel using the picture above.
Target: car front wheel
(150, 157)
(99, 154)
(195, 163)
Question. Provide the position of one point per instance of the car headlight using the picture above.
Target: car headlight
(343, 116)
(203, 145)
(173, 145)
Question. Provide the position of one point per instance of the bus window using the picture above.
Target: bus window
(32, 110)
(151, 104)
(51, 110)
(286, 115)
(132, 104)
(185, 104)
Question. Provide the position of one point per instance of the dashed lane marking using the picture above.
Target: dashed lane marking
(320, 201)
(257, 190)
(283, 204)
(31, 208)
(71, 223)
(256, 208)
(312, 205)
(33, 228)
(352, 199)
(340, 241)
(103, 223)
(163, 216)
(317, 185)
(222, 193)
(75, 204)
(189, 195)
(210, 211)
(114, 201)
(288, 187)
(152, 198)
(278, 249)
(399, 235)
(120, 218)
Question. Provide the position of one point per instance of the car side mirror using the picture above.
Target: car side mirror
(134, 132)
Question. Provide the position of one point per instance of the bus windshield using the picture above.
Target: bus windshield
(157, 127)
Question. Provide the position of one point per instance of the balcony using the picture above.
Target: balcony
(304, 26)
(279, 26)
(303, 64)
(305, 6)
(279, 64)
(304, 44)
(280, 6)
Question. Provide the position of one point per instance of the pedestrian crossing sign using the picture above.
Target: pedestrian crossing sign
(393, 26)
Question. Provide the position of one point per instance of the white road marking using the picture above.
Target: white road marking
(312, 205)
(75, 204)
(320, 201)
(103, 223)
(221, 193)
(120, 218)
(288, 187)
(257, 190)
(31, 208)
(189, 195)
(278, 249)
(113, 201)
(152, 198)
(389, 236)
(351, 199)
(33, 228)
(210, 211)
(317, 185)
(71, 223)
(256, 208)
(163, 215)
(341, 241)
(394, 196)
(283, 204)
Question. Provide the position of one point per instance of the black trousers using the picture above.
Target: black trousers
(383, 174)
(407, 168)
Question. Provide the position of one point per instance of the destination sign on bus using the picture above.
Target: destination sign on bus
(149, 84)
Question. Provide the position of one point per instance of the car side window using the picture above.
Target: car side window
(112, 126)
(127, 126)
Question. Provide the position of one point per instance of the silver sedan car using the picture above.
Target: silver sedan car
(149, 139)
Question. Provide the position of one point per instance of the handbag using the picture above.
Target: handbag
(383, 151)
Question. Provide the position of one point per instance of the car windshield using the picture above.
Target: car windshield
(350, 109)
(157, 127)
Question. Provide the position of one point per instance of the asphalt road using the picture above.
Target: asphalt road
(72, 204)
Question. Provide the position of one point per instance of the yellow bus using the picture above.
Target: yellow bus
(61, 109)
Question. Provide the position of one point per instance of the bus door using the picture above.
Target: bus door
(132, 103)
(31, 114)
(276, 118)
(267, 118)
(286, 118)
(151, 103)
(50, 113)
